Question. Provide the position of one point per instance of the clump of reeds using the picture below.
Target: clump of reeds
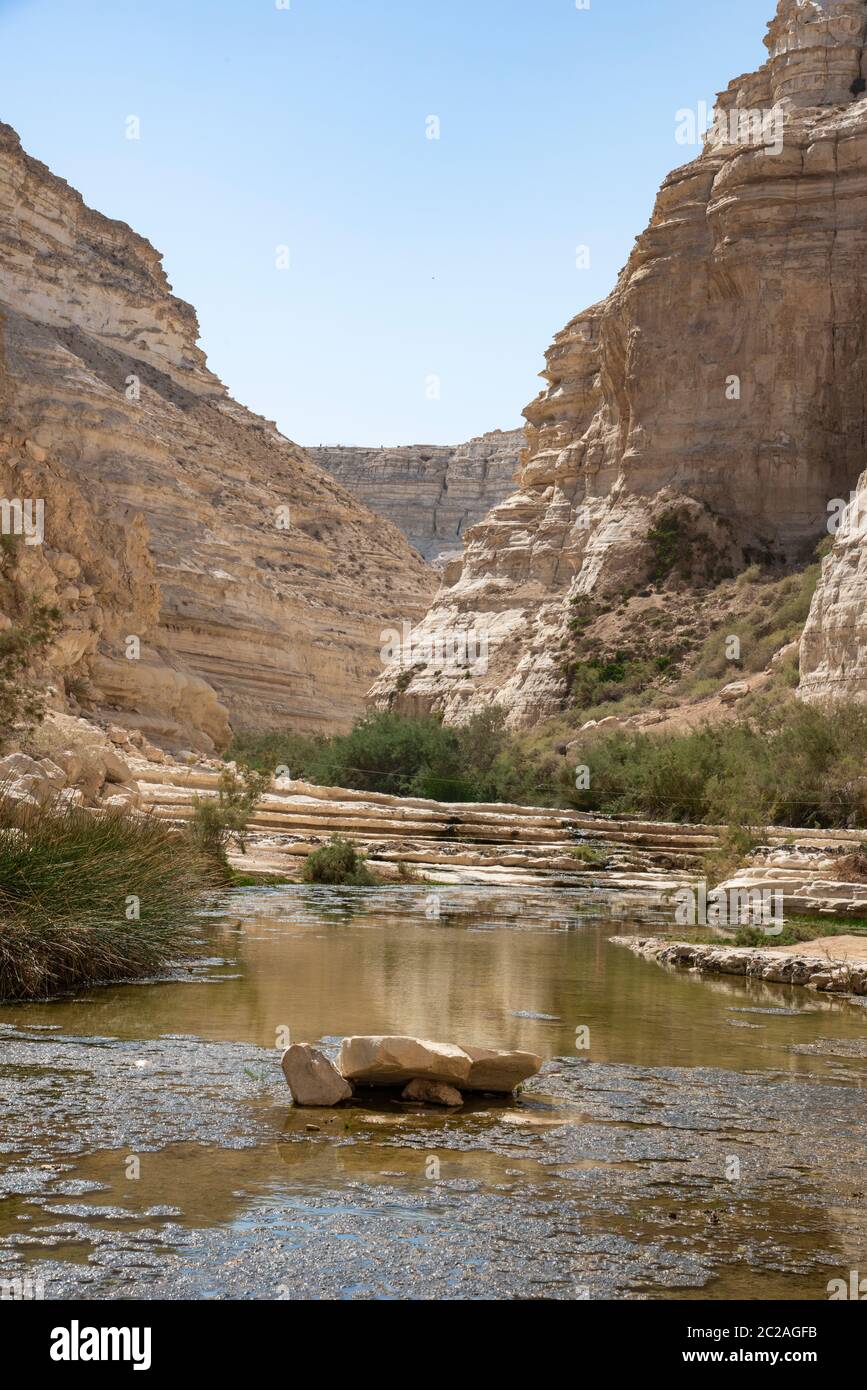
(91, 898)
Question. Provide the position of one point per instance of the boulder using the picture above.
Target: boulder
(17, 765)
(735, 690)
(125, 799)
(116, 770)
(39, 788)
(312, 1078)
(389, 1061)
(54, 774)
(70, 764)
(494, 1070)
(432, 1092)
(91, 774)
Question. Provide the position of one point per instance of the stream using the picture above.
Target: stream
(709, 1142)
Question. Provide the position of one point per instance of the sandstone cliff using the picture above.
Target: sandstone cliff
(255, 585)
(433, 493)
(717, 395)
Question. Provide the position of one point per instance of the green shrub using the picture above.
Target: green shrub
(671, 545)
(603, 681)
(338, 862)
(88, 899)
(406, 755)
(588, 855)
(268, 752)
(792, 764)
(22, 703)
(219, 821)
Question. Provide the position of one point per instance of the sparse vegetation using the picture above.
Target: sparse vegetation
(792, 764)
(22, 702)
(219, 821)
(340, 863)
(664, 655)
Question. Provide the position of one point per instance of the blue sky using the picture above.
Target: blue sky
(306, 127)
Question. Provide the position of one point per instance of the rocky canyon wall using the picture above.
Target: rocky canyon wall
(255, 586)
(433, 493)
(718, 393)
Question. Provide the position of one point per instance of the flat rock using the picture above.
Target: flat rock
(494, 1070)
(390, 1060)
(312, 1078)
(432, 1092)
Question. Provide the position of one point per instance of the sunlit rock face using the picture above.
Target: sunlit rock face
(260, 587)
(834, 645)
(723, 380)
(432, 493)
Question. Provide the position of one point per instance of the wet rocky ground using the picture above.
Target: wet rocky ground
(175, 1168)
(710, 1143)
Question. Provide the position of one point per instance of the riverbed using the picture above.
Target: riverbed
(687, 1137)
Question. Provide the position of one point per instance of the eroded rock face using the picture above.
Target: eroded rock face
(833, 654)
(433, 493)
(257, 587)
(722, 384)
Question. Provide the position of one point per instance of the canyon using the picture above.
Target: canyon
(433, 493)
(716, 396)
(207, 573)
(211, 575)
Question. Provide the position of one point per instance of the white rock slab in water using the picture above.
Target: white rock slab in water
(388, 1061)
(312, 1078)
(494, 1070)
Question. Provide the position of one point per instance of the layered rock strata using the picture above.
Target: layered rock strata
(434, 494)
(718, 393)
(255, 588)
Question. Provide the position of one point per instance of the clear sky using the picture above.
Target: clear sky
(306, 127)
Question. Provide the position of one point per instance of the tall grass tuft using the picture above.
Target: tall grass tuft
(88, 899)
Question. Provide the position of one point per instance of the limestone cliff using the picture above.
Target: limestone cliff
(433, 493)
(833, 655)
(256, 587)
(719, 392)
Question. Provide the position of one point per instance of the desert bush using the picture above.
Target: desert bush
(219, 821)
(790, 764)
(338, 862)
(87, 899)
(267, 752)
(406, 755)
(22, 702)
